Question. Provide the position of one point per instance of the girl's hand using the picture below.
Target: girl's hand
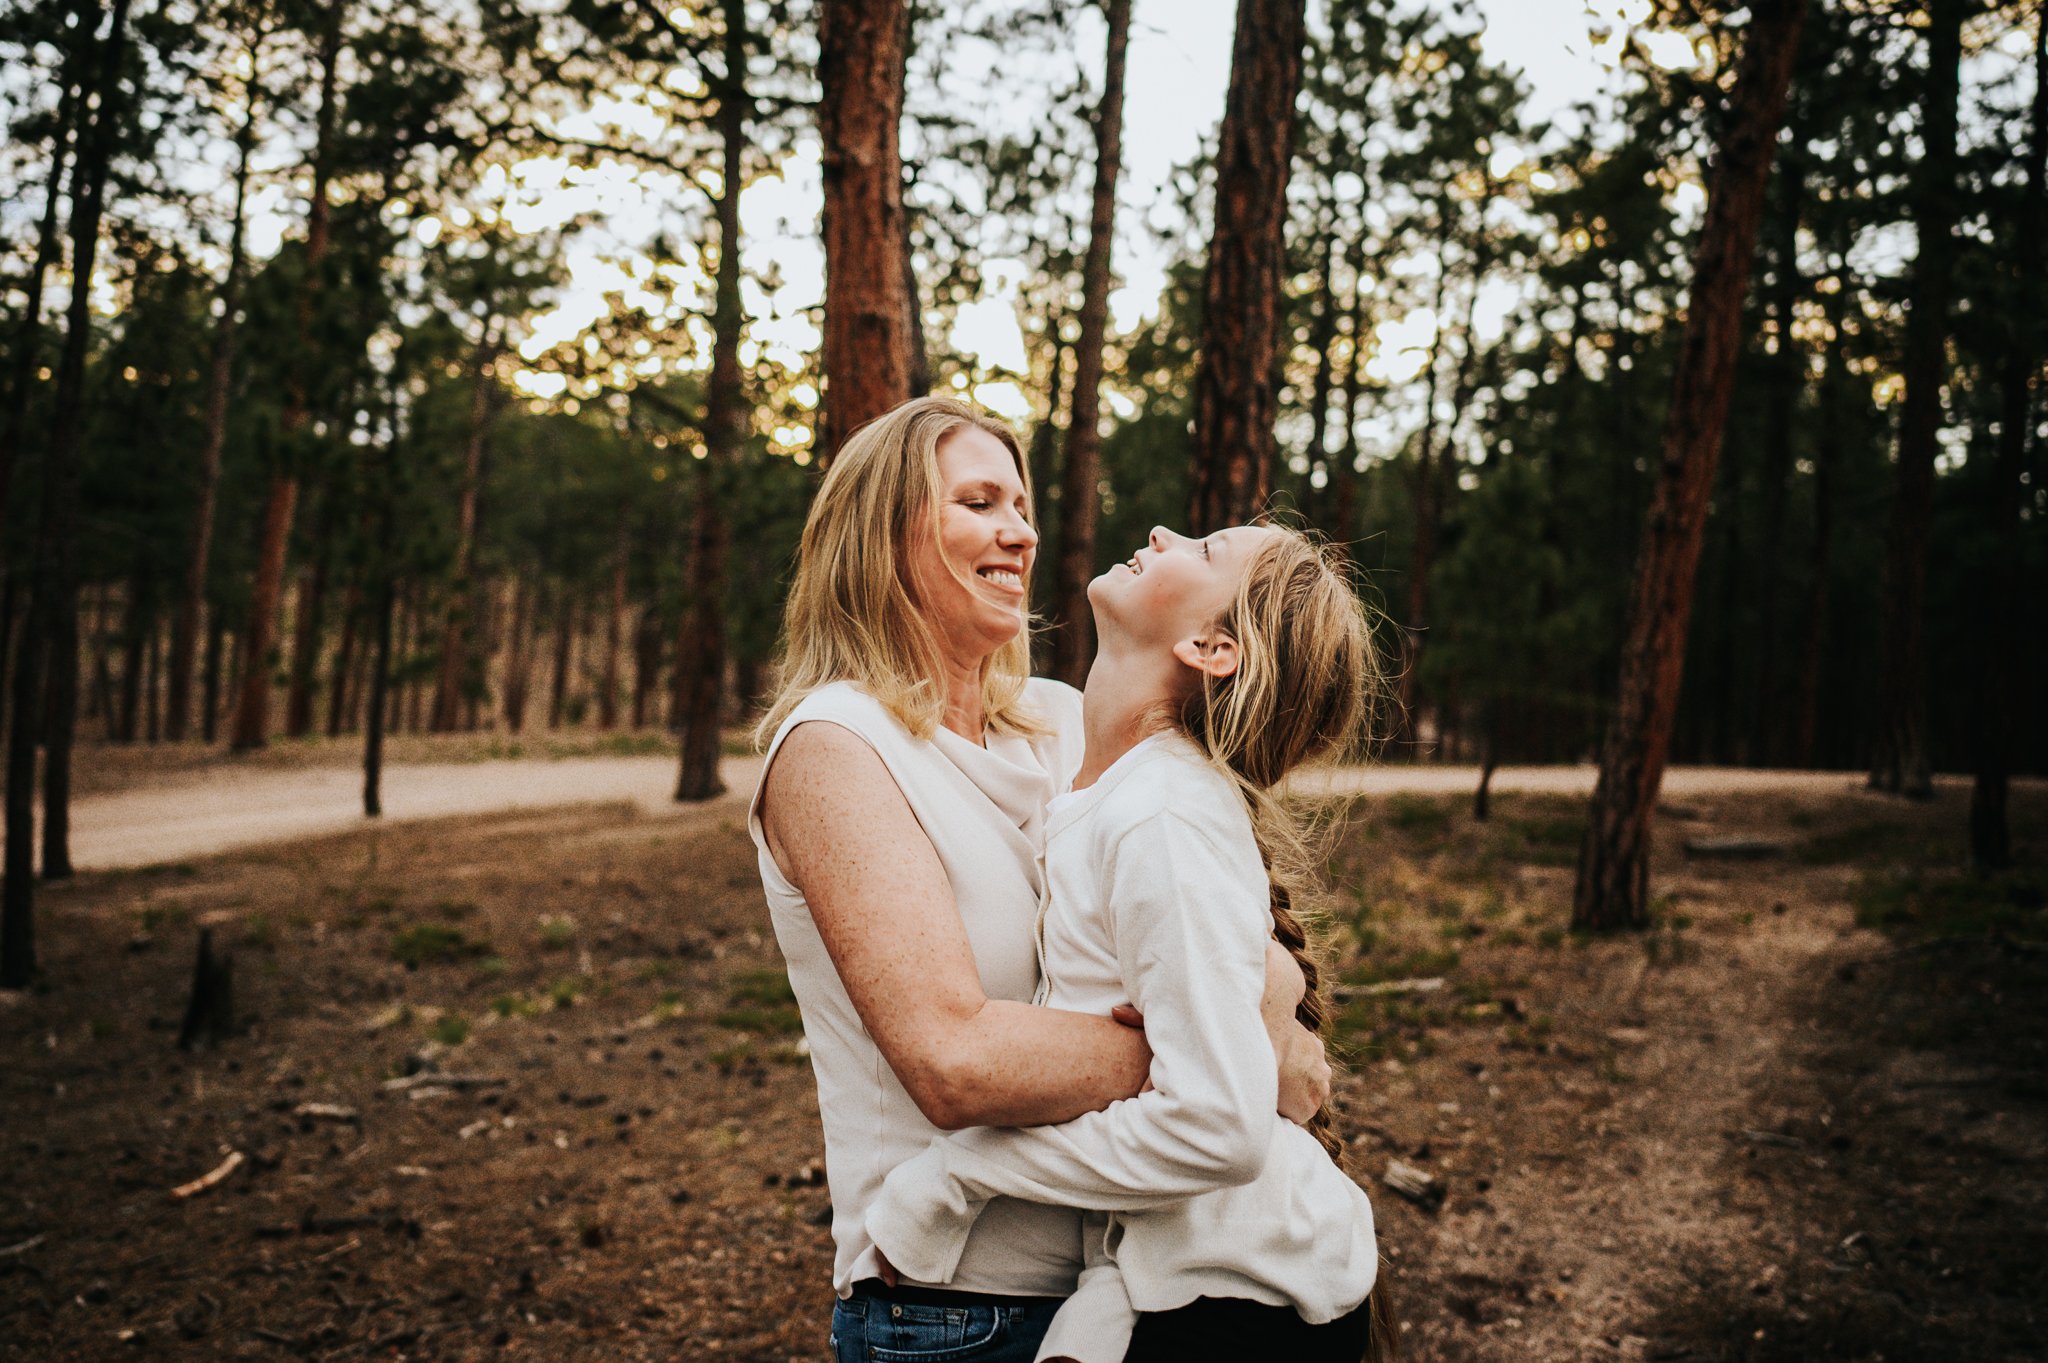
(887, 1269)
(1304, 1067)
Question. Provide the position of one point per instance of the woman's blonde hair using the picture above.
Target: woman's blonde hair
(1309, 684)
(852, 613)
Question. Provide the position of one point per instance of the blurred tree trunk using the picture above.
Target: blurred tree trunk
(309, 634)
(519, 656)
(867, 344)
(2006, 584)
(700, 653)
(1903, 764)
(340, 691)
(1343, 490)
(25, 348)
(1788, 382)
(1826, 452)
(1613, 876)
(220, 376)
(615, 625)
(462, 603)
(251, 727)
(647, 636)
(1322, 339)
(1073, 640)
(565, 637)
(50, 644)
(209, 676)
(138, 618)
(1234, 396)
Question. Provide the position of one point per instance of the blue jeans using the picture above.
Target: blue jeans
(867, 1328)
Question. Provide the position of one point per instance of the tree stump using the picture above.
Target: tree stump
(210, 1016)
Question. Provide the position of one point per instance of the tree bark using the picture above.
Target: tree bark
(1814, 628)
(1612, 890)
(615, 625)
(340, 687)
(209, 677)
(1903, 765)
(251, 728)
(309, 634)
(455, 651)
(867, 343)
(380, 701)
(1073, 640)
(2006, 584)
(700, 655)
(136, 622)
(220, 376)
(565, 638)
(647, 636)
(50, 645)
(519, 658)
(1234, 392)
(1788, 382)
(26, 347)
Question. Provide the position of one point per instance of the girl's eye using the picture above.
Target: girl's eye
(1205, 548)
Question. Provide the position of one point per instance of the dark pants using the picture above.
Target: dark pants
(1227, 1328)
(880, 1324)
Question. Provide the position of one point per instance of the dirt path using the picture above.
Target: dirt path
(202, 811)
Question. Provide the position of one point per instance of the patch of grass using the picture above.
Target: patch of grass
(1919, 904)
(258, 932)
(492, 967)
(454, 910)
(564, 992)
(433, 944)
(1417, 814)
(1412, 965)
(100, 1029)
(450, 1029)
(557, 932)
(514, 1006)
(767, 988)
(1542, 837)
(785, 1021)
(1880, 842)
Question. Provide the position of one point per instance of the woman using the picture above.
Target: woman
(910, 763)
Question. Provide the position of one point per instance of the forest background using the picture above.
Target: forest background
(496, 433)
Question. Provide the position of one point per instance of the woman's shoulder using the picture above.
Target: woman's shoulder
(846, 704)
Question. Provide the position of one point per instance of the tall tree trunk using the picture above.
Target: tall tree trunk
(1788, 382)
(455, 652)
(1234, 396)
(151, 693)
(25, 350)
(701, 653)
(136, 624)
(2006, 584)
(309, 634)
(1427, 492)
(380, 699)
(647, 636)
(1073, 641)
(339, 687)
(1613, 876)
(1903, 765)
(220, 377)
(50, 647)
(615, 625)
(251, 728)
(867, 350)
(519, 659)
(1344, 473)
(1322, 339)
(565, 638)
(209, 676)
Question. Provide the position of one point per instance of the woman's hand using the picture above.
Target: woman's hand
(1304, 1066)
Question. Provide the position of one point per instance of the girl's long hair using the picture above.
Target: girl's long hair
(852, 613)
(1309, 685)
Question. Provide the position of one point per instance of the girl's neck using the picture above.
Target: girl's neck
(1126, 701)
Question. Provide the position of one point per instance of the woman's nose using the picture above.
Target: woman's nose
(1020, 532)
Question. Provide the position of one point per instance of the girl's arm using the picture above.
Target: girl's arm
(840, 829)
(1197, 974)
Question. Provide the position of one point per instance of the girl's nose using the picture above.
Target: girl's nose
(1159, 538)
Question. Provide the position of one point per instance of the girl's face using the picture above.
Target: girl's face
(1173, 590)
(972, 579)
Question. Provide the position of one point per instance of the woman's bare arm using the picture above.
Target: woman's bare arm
(840, 829)
(842, 832)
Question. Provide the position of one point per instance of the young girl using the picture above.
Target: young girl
(1223, 664)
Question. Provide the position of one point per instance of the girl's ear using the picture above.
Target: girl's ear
(1215, 656)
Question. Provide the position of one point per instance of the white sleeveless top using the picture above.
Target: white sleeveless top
(984, 810)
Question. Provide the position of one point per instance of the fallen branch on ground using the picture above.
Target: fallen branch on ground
(445, 1081)
(208, 1180)
(1360, 991)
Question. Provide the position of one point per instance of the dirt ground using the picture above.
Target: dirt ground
(1804, 1118)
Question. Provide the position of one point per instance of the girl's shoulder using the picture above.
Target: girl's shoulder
(1170, 778)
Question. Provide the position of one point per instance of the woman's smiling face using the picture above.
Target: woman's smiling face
(973, 580)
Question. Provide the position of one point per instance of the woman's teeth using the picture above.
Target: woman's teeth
(1002, 577)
